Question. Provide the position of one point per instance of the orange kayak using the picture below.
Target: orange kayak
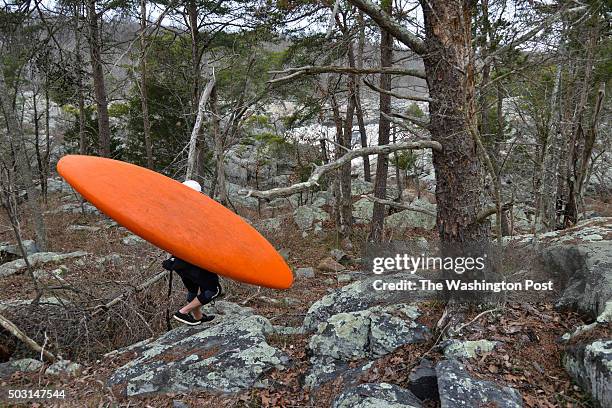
(177, 219)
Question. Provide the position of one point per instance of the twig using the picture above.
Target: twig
(335, 69)
(17, 332)
(144, 285)
(463, 326)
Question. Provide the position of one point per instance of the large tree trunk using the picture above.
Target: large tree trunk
(98, 80)
(23, 169)
(384, 126)
(449, 66)
(143, 84)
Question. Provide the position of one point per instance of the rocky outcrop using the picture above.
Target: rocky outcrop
(590, 365)
(356, 296)
(381, 395)
(357, 336)
(368, 333)
(458, 389)
(228, 356)
(37, 259)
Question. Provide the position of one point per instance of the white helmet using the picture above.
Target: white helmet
(193, 184)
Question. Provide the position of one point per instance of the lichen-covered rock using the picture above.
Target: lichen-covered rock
(369, 333)
(23, 365)
(325, 368)
(468, 348)
(359, 295)
(307, 216)
(228, 356)
(362, 210)
(359, 187)
(458, 389)
(37, 259)
(590, 366)
(64, 367)
(12, 250)
(405, 219)
(381, 395)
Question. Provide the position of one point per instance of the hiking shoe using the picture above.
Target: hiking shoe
(186, 318)
(206, 318)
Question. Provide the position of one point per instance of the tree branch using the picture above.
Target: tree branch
(399, 205)
(396, 95)
(487, 212)
(17, 332)
(346, 158)
(313, 70)
(390, 25)
(417, 122)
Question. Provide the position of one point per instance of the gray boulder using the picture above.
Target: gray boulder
(362, 210)
(37, 259)
(230, 356)
(64, 367)
(381, 395)
(458, 389)
(370, 333)
(23, 365)
(359, 187)
(307, 216)
(587, 269)
(405, 219)
(57, 186)
(359, 295)
(590, 365)
(12, 250)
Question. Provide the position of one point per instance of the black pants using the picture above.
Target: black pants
(206, 290)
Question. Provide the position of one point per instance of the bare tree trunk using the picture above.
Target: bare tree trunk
(449, 65)
(384, 127)
(547, 197)
(193, 149)
(79, 79)
(98, 79)
(358, 108)
(22, 163)
(143, 84)
(219, 149)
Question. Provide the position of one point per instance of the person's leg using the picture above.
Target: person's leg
(192, 307)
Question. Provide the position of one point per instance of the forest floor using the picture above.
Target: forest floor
(531, 361)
